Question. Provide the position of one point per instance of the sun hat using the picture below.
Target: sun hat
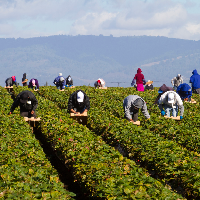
(149, 82)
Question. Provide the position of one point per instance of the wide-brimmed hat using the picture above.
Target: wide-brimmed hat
(149, 82)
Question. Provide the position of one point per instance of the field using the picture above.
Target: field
(110, 158)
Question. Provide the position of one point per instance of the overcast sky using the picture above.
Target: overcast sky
(34, 18)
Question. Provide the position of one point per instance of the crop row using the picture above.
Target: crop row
(97, 166)
(25, 171)
(170, 160)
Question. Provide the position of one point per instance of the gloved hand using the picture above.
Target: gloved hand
(181, 117)
(162, 112)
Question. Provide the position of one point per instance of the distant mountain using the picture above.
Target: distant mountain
(86, 58)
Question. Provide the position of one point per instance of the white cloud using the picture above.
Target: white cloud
(31, 18)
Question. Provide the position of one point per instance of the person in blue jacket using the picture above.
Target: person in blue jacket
(195, 81)
(60, 82)
(184, 91)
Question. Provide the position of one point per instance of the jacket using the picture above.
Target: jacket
(58, 83)
(36, 83)
(184, 91)
(9, 82)
(139, 78)
(177, 101)
(195, 80)
(176, 81)
(69, 80)
(128, 105)
(73, 103)
(29, 105)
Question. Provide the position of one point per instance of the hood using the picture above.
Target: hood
(165, 88)
(195, 72)
(139, 70)
(138, 103)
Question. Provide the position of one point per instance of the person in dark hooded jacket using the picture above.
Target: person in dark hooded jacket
(184, 91)
(161, 91)
(131, 105)
(69, 81)
(78, 102)
(27, 102)
(195, 81)
(139, 80)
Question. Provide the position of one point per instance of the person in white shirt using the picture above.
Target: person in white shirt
(171, 102)
(99, 83)
(176, 81)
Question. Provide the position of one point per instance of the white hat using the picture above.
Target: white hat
(80, 96)
(60, 74)
(170, 98)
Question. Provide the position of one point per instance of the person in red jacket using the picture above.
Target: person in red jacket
(139, 80)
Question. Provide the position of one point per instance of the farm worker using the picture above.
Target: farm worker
(33, 84)
(149, 85)
(78, 102)
(69, 81)
(161, 91)
(99, 83)
(171, 101)
(195, 81)
(139, 80)
(59, 81)
(131, 105)
(184, 91)
(11, 81)
(176, 81)
(27, 102)
(24, 80)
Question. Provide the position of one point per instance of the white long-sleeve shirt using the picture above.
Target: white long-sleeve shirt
(177, 101)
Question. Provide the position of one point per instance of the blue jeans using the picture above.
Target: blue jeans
(175, 88)
(169, 109)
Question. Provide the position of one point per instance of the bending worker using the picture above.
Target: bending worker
(131, 105)
(11, 81)
(171, 101)
(99, 83)
(69, 81)
(184, 91)
(27, 102)
(78, 102)
(33, 84)
(60, 82)
(176, 81)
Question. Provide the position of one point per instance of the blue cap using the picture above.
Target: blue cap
(160, 91)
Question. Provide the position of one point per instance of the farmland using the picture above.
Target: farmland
(160, 159)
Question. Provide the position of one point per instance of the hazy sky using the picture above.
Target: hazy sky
(33, 18)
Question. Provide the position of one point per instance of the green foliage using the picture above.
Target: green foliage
(25, 171)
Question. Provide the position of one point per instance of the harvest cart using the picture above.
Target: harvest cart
(9, 88)
(176, 118)
(136, 123)
(81, 118)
